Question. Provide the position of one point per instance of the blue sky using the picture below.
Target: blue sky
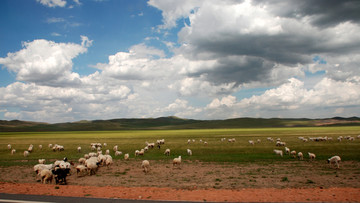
(69, 60)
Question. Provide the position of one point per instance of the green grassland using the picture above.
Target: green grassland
(176, 140)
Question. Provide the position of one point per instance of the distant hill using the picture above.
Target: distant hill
(171, 123)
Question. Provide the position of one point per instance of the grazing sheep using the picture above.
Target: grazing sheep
(287, 150)
(270, 139)
(189, 141)
(13, 151)
(167, 152)
(46, 176)
(105, 144)
(79, 149)
(107, 152)
(81, 169)
(39, 167)
(101, 159)
(118, 153)
(279, 143)
(126, 156)
(146, 166)
(205, 143)
(278, 152)
(141, 152)
(137, 152)
(232, 140)
(82, 161)
(9, 146)
(300, 156)
(189, 152)
(92, 166)
(108, 160)
(41, 161)
(258, 141)
(26, 153)
(293, 153)
(311, 156)
(251, 142)
(177, 162)
(40, 147)
(50, 146)
(334, 160)
(30, 149)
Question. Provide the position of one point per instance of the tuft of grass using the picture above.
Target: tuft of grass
(309, 181)
(284, 179)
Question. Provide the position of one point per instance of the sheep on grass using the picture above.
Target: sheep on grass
(311, 156)
(300, 156)
(167, 152)
(278, 152)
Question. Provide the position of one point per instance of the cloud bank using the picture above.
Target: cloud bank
(302, 56)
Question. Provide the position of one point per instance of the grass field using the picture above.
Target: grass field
(216, 151)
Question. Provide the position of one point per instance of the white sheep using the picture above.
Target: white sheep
(118, 153)
(26, 153)
(81, 169)
(293, 153)
(107, 152)
(334, 160)
(30, 149)
(279, 143)
(251, 142)
(141, 152)
(189, 152)
(105, 144)
(9, 146)
(92, 167)
(50, 146)
(108, 160)
(79, 149)
(232, 140)
(40, 147)
(270, 139)
(39, 167)
(137, 152)
(278, 152)
(300, 156)
(177, 162)
(167, 152)
(41, 161)
(146, 166)
(311, 156)
(13, 151)
(82, 161)
(287, 150)
(46, 176)
(126, 156)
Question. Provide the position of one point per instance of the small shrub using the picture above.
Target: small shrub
(284, 179)
(310, 181)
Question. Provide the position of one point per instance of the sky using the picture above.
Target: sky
(71, 60)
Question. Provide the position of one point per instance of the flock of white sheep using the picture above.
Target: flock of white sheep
(89, 164)
(334, 160)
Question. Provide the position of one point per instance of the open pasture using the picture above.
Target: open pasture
(177, 140)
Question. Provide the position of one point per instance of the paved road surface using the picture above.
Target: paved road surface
(18, 198)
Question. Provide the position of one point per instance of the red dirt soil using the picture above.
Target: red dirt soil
(214, 195)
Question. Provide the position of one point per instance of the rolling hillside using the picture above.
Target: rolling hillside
(171, 123)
